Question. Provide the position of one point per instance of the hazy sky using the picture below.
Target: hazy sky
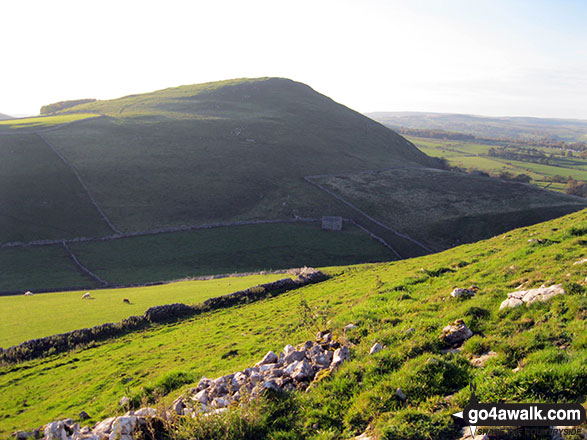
(493, 57)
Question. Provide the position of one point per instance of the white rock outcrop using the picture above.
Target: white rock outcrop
(543, 293)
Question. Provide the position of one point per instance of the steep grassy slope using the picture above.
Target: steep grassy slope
(445, 209)
(403, 305)
(222, 151)
(40, 196)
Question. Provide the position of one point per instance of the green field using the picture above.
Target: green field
(178, 255)
(106, 306)
(444, 208)
(545, 341)
(226, 250)
(475, 156)
(40, 122)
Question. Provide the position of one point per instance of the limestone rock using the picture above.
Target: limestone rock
(303, 371)
(269, 358)
(349, 327)
(376, 348)
(456, 333)
(340, 355)
(543, 293)
(123, 428)
(459, 292)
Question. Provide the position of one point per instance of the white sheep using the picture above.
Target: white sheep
(86, 295)
(28, 293)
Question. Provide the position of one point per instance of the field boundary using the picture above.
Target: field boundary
(80, 180)
(83, 268)
(62, 342)
(363, 213)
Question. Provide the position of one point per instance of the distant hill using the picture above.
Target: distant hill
(4, 117)
(569, 130)
(63, 105)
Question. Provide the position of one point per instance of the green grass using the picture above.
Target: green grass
(223, 151)
(39, 268)
(446, 208)
(39, 122)
(231, 249)
(546, 340)
(40, 195)
(475, 156)
(16, 311)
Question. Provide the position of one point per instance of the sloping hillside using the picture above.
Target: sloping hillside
(220, 154)
(224, 151)
(533, 353)
(3, 117)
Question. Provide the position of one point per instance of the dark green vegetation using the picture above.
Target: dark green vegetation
(224, 151)
(178, 255)
(518, 128)
(546, 341)
(444, 209)
(244, 248)
(218, 152)
(40, 195)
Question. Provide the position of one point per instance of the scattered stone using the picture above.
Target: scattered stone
(269, 358)
(376, 348)
(401, 395)
(584, 260)
(480, 361)
(460, 292)
(146, 412)
(349, 327)
(123, 428)
(528, 297)
(84, 416)
(456, 333)
(291, 370)
(410, 330)
(340, 355)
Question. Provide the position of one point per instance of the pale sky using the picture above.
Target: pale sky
(488, 57)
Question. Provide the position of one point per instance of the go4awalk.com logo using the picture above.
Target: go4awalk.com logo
(520, 414)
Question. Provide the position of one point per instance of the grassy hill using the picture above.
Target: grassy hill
(540, 350)
(215, 153)
(3, 117)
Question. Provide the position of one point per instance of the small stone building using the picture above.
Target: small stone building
(332, 223)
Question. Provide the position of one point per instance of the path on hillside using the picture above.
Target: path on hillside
(80, 180)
